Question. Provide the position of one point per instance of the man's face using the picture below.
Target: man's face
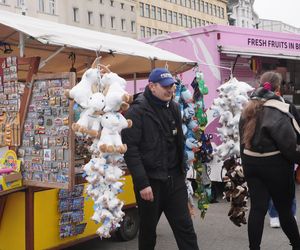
(162, 93)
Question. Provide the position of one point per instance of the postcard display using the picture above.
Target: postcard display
(48, 141)
(70, 207)
(10, 95)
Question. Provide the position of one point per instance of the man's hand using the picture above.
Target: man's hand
(147, 194)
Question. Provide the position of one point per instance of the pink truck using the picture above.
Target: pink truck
(223, 51)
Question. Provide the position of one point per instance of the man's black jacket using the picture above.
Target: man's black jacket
(147, 145)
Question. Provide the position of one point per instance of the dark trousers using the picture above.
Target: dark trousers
(170, 197)
(275, 181)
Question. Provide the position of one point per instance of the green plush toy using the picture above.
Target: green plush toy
(201, 84)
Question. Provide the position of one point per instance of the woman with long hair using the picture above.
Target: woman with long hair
(268, 136)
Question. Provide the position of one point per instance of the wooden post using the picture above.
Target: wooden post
(33, 63)
(29, 218)
(2, 206)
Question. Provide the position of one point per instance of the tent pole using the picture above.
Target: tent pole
(134, 83)
(152, 64)
(44, 62)
(21, 44)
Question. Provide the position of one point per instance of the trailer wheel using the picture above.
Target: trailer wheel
(129, 226)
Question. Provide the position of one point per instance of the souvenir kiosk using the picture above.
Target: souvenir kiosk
(44, 204)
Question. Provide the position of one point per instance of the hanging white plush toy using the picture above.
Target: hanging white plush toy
(85, 88)
(117, 98)
(110, 140)
(89, 121)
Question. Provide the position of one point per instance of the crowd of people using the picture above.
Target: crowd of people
(269, 134)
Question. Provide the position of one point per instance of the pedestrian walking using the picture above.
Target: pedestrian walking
(155, 160)
(268, 135)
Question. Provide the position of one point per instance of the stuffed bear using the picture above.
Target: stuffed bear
(89, 122)
(84, 89)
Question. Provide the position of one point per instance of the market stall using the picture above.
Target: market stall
(50, 210)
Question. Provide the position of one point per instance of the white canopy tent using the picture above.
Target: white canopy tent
(54, 42)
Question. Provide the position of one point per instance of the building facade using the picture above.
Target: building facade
(111, 16)
(133, 18)
(158, 17)
(241, 14)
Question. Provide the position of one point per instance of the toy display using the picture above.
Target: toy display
(46, 148)
(10, 176)
(101, 121)
(233, 95)
(197, 145)
(10, 95)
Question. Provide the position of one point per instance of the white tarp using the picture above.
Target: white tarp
(128, 50)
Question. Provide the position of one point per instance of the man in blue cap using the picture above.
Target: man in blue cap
(155, 160)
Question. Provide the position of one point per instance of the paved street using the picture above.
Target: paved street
(215, 232)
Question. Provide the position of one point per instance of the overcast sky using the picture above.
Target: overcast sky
(287, 11)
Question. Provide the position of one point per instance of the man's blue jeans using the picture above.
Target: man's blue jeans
(272, 210)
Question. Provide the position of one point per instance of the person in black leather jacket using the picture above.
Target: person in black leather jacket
(155, 160)
(268, 136)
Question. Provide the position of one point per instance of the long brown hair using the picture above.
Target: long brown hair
(253, 107)
(249, 116)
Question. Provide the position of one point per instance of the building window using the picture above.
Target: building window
(164, 15)
(76, 15)
(210, 9)
(142, 31)
(189, 22)
(132, 8)
(205, 7)
(169, 16)
(201, 5)
(52, 7)
(102, 21)
(133, 26)
(180, 19)
(154, 32)
(112, 3)
(142, 9)
(218, 11)
(148, 32)
(188, 3)
(159, 32)
(158, 14)
(184, 19)
(193, 4)
(122, 6)
(20, 3)
(198, 22)
(194, 22)
(175, 18)
(147, 10)
(112, 22)
(123, 24)
(153, 12)
(2, 1)
(222, 13)
(198, 5)
(90, 18)
(215, 10)
(101, 1)
(41, 6)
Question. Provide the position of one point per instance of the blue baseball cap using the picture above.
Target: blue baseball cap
(161, 76)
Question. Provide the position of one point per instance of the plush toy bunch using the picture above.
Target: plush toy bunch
(233, 95)
(102, 96)
(236, 191)
(197, 145)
